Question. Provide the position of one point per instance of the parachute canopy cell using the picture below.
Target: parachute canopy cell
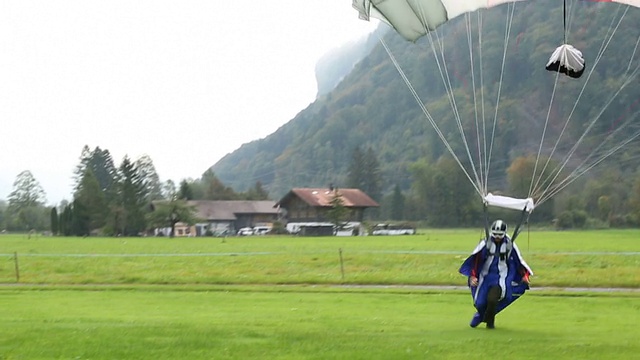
(567, 60)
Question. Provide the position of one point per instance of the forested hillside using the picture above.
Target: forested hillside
(372, 108)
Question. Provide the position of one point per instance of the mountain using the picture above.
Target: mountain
(338, 63)
(373, 107)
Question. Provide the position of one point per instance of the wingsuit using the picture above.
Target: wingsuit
(497, 275)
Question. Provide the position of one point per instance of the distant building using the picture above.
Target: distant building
(227, 216)
(306, 208)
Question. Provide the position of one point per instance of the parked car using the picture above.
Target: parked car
(261, 230)
(245, 231)
(393, 229)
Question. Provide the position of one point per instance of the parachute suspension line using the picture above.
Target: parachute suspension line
(556, 172)
(580, 170)
(446, 80)
(534, 183)
(535, 180)
(633, 55)
(481, 182)
(509, 21)
(576, 174)
(564, 21)
(611, 28)
(427, 114)
(484, 132)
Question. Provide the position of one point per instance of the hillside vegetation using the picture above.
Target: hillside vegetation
(373, 108)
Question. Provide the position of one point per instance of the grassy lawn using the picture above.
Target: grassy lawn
(307, 323)
(581, 259)
(212, 298)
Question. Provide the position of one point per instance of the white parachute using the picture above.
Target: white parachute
(566, 60)
(415, 20)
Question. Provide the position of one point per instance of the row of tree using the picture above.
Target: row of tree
(125, 200)
(130, 199)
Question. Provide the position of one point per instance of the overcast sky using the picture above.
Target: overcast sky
(185, 82)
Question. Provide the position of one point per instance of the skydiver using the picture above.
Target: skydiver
(497, 275)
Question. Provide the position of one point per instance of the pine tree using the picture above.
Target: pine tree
(92, 200)
(185, 192)
(149, 178)
(397, 204)
(131, 195)
(356, 177)
(54, 221)
(364, 172)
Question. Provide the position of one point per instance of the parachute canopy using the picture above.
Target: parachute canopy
(414, 18)
(567, 60)
(562, 154)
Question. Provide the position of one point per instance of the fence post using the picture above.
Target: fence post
(341, 263)
(15, 260)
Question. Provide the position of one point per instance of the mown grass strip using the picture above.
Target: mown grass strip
(321, 323)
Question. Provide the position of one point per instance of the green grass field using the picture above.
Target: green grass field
(287, 298)
(579, 259)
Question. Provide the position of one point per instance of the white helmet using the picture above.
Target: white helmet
(498, 228)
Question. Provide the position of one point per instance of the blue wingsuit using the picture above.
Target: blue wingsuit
(496, 264)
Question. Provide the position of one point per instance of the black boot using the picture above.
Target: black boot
(493, 295)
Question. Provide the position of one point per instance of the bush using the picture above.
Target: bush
(564, 221)
(278, 229)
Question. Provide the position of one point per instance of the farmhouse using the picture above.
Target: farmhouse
(308, 207)
(226, 217)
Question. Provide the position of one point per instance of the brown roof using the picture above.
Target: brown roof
(322, 197)
(227, 209)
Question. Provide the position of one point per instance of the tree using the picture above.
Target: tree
(3, 208)
(54, 221)
(129, 213)
(338, 214)
(26, 202)
(634, 202)
(169, 191)
(356, 177)
(91, 199)
(520, 177)
(443, 192)
(364, 172)
(149, 178)
(421, 188)
(81, 168)
(373, 175)
(169, 213)
(185, 192)
(26, 191)
(214, 189)
(65, 221)
(257, 192)
(80, 220)
(102, 165)
(397, 204)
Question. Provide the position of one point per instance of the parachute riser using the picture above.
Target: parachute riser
(524, 218)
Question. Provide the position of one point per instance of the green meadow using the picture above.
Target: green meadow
(566, 259)
(311, 298)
